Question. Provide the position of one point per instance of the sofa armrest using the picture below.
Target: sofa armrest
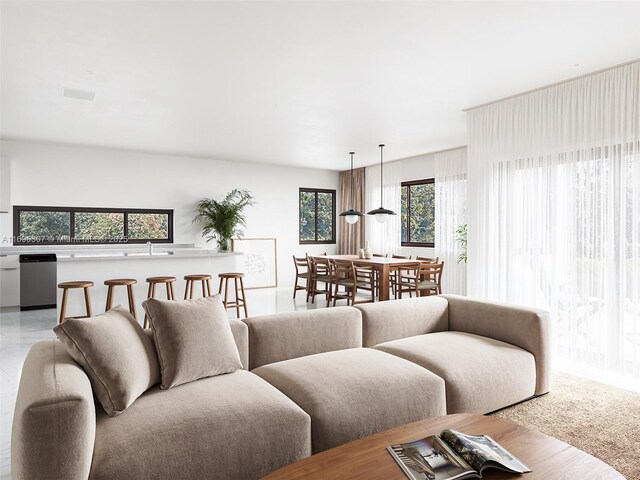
(283, 336)
(527, 328)
(240, 333)
(54, 423)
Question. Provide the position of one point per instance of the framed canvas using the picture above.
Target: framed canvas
(259, 262)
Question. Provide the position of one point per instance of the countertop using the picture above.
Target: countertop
(110, 253)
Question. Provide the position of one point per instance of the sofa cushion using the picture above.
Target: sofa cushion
(353, 393)
(274, 338)
(481, 374)
(193, 339)
(119, 359)
(386, 321)
(234, 426)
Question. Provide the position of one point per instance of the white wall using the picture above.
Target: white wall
(56, 175)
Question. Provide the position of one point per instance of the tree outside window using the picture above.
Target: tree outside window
(317, 215)
(418, 213)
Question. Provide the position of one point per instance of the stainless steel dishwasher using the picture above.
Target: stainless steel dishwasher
(38, 281)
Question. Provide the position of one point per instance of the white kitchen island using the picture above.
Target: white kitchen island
(100, 265)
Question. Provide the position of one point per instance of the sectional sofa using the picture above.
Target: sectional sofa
(312, 380)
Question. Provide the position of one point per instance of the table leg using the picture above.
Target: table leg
(383, 282)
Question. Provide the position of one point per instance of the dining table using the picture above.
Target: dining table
(382, 265)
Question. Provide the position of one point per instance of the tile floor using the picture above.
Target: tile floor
(20, 330)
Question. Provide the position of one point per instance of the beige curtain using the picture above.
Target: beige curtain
(351, 237)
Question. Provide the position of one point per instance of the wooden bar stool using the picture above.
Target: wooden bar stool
(240, 301)
(66, 286)
(205, 281)
(151, 293)
(124, 282)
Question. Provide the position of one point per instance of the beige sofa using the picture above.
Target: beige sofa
(316, 379)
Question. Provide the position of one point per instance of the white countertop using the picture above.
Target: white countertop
(171, 254)
(123, 253)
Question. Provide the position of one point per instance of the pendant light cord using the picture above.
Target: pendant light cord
(351, 192)
(381, 146)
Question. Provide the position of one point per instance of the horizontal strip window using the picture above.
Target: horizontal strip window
(38, 225)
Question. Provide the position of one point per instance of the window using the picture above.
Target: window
(69, 225)
(418, 213)
(317, 215)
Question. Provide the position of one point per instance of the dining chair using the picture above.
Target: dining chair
(303, 272)
(428, 278)
(380, 255)
(320, 272)
(352, 277)
(393, 273)
(407, 277)
(428, 259)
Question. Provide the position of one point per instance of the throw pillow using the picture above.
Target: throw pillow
(117, 355)
(193, 339)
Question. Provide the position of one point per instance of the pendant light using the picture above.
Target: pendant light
(351, 215)
(381, 213)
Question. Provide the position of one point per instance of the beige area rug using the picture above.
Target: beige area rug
(596, 418)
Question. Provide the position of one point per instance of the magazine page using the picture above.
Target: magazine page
(482, 451)
(430, 459)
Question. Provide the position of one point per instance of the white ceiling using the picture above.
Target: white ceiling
(289, 83)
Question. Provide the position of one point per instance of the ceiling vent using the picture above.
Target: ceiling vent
(79, 94)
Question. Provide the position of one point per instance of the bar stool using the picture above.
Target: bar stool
(124, 282)
(205, 281)
(66, 286)
(151, 293)
(240, 301)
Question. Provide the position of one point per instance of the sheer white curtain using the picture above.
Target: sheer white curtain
(451, 205)
(554, 212)
(383, 237)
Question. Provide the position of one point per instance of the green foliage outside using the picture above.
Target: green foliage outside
(97, 226)
(324, 216)
(148, 225)
(420, 227)
(222, 220)
(45, 226)
(461, 238)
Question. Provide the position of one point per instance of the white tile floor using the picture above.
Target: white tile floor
(20, 330)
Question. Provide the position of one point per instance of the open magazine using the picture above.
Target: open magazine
(453, 456)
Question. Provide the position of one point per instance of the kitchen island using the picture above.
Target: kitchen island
(98, 266)
(101, 262)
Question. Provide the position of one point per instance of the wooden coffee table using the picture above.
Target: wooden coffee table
(368, 458)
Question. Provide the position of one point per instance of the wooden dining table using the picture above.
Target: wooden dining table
(381, 264)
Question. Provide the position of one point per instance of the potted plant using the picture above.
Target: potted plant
(222, 220)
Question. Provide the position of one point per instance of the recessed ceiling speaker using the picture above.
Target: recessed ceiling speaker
(79, 94)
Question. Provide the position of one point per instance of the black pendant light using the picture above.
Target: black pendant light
(351, 215)
(381, 213)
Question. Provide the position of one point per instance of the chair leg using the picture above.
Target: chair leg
(132, 302)
(109, 303)
(208, 287)
(186, 289)
(63, 307)
(244, 299)
(226, 292)
(235, 284)
(87, 302)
